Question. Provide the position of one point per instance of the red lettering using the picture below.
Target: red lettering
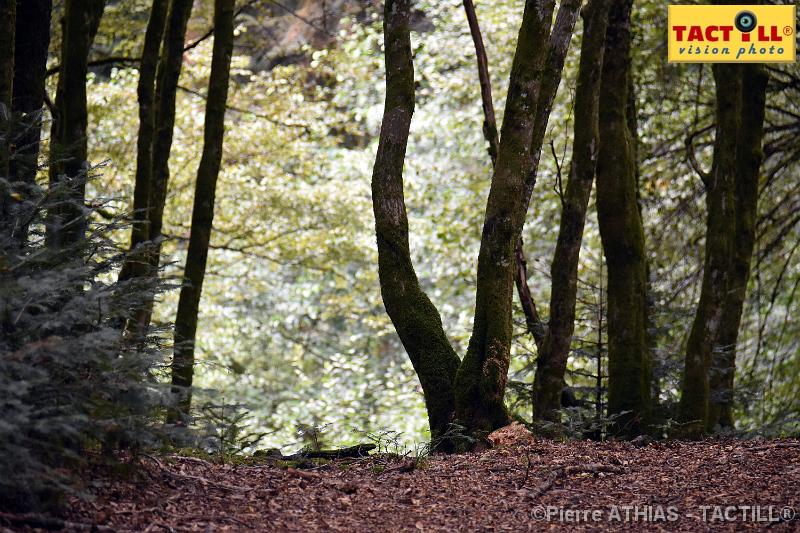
(679, 30)
(773, 34)
(695, 33)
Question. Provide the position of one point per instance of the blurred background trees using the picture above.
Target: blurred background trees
(291, 322)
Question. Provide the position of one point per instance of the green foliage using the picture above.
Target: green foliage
(224, 430)
(292, 322)
(71, 387)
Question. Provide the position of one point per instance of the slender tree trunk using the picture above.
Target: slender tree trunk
(136, 264)
(533, 323)
(169, 70)
(32, 39)
(552, 361)
(167, 75)
(203, 209)
(68, 149)
(8, 16)
(748, 163)
(415, 318)
(720, 237)
(622, 235)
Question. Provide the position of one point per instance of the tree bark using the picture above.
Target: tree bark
(475, 387)
(552, 361)
(415, 318)
(31, 42)
(8, 16)
(481, 378)
(720, 235)
(745, 187)
(68, 149)
(136, 263)
(168, 72)
(167, 75)
(532, 320)
(203, 208)
(557, 47)
(622, 235)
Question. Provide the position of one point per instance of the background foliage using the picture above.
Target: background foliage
(292, 323)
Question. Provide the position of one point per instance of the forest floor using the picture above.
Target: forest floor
(538, 485)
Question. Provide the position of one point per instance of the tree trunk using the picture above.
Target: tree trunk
(475, 387)
(720, 237)
(481, 378)
(136, 263)
(8, 16)
(557, 46)
(167, 75)
(32, 40)
(622, 235)
(68, 150)
(745, 185)
(552, 361)
(415, 318)
(203, 208)
(532, 321)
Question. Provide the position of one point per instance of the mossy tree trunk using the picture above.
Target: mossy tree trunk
(557, 46)
(720, 243)
(473, 390)
(68, 149)
(31, 42)
(481, 378)
(415, 318)
(622, 235)
(136, 264)
(749, 155)
(552, 360)
(167, 74)
(203, 208)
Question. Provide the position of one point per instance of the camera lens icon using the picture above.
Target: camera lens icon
(745, 21)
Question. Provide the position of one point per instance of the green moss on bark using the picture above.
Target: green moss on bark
(622, 235)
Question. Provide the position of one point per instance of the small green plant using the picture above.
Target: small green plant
(226, 432)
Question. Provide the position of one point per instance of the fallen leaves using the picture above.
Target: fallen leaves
(502, 489)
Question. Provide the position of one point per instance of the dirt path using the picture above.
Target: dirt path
(671, 486)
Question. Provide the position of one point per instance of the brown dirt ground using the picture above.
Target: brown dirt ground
(540, 485)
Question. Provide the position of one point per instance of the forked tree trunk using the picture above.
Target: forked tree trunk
(203, 208)
(68, 150)
(481, 378)
(475, 387)
(749, 155)
(167, 75)
(552, 360)
(720, 243)
(622, 235)
(136, 263)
